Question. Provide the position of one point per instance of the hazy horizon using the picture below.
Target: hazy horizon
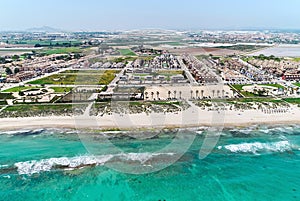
(92, 15)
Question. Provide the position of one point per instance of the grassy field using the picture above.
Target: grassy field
(296, 59)
(127, 52)
(297, 84)
(17, 89)
(292, 100)
(6, 96)
(79, 78)
(31, 110)
(66, 50)
(256, 99)
(61, 89)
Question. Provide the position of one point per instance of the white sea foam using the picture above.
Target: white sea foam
(44, 165)
(3, 166)
(258, 147)
(6, 176)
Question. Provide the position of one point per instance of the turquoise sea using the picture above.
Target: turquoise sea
(255, 163)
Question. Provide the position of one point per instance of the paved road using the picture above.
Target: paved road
(187, 72)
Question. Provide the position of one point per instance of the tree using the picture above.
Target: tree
(175, 92)
(15, 57)
(16, 70)
(197, 94)
(157, 94)
(169, 94)
(191, 94)
(152, 95)
(21, 93)
(202, 93)
(8, 71)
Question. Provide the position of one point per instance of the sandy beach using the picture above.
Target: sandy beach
(190, 118)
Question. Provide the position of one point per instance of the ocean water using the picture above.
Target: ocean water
(255, 163)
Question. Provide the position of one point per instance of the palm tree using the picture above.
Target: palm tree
(202, 93)
(157, 94)
(146, 94)
(191, 94)
(197, 94)
(213, 92)
(223, 93)
(218, 93)
(233, 92)
(175, 92)
(169, 94)
(180, 93)
(152, 95)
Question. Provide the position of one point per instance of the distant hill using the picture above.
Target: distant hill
(46, 29)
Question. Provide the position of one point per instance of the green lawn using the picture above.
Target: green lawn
(240, 86)
(61, 89)
(292, 100)
(297, 84)
(127, 52)
(79, 78)
(257, 99)
(17, 89)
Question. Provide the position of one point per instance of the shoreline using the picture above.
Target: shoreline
(227, 119)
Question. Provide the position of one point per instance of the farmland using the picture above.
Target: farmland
(78, 78)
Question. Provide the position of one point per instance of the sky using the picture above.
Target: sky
(97, 15)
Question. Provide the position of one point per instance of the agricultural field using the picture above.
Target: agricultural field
(79, 78)
(66, 50)
(126, 52)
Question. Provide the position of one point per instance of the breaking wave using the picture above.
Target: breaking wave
(65, 163)
(258, 147)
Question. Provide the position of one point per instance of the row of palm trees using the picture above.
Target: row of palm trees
(198, 94)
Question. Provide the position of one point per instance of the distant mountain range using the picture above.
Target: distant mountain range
(46, 29)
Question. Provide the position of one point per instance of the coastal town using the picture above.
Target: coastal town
(150, 100)
(62, 74)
